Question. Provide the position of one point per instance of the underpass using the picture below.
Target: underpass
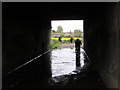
(26, 37)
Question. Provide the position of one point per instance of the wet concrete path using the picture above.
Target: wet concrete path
(65, 74)
(64, 61)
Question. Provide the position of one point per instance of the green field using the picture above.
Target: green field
(65, 38)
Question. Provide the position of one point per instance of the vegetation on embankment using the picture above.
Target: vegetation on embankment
(66, 38)
(55, 43)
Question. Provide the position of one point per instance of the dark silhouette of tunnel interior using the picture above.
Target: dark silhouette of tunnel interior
(26, 35)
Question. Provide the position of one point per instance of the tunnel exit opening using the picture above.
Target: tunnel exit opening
(63, 36)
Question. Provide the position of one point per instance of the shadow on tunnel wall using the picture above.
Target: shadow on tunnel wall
(25, 36)
(101, 42)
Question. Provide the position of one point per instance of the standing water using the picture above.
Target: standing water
(63, 61)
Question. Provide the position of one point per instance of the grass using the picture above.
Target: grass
(65, 38)
(55, 43)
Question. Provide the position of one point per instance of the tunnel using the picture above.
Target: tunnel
(26, 32)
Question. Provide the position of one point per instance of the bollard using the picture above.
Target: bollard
(77, 50)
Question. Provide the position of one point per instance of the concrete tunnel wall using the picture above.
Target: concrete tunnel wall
(119, 44)
(101, 43)
(25, 36)
(26, 32)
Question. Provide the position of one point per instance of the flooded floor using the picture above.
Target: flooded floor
(64, 61)
(65, 74)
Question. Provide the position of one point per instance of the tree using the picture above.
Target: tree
(78, 33)
(59, 29)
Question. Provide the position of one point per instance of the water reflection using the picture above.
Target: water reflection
(63, 61)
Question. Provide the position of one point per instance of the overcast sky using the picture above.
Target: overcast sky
(67, 25)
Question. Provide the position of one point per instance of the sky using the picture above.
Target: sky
(67, 25)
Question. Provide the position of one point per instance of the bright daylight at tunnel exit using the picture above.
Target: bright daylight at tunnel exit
(64, 33)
